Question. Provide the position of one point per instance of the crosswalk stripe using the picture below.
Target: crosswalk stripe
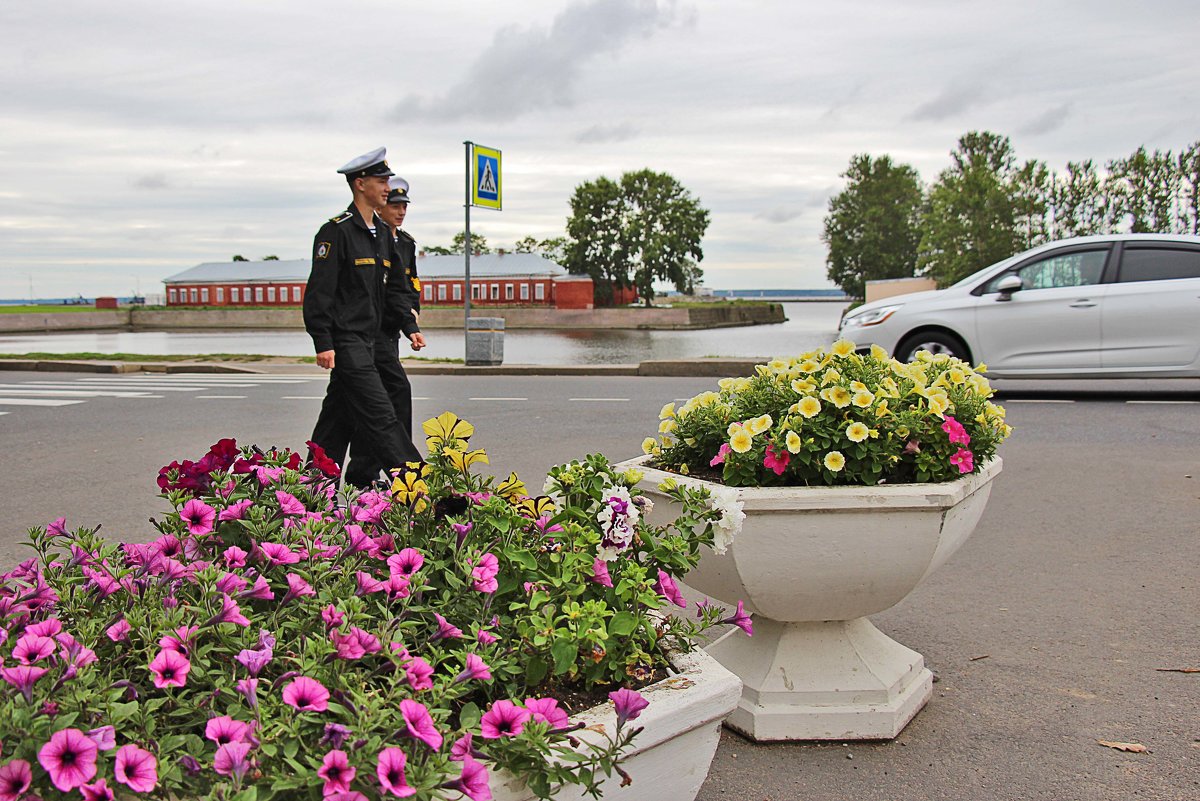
(498, 399)
(36, 402)
(125, 387)
(73, 393)
(306, 397)
(222, 397)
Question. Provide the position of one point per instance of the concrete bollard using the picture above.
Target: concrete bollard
(485, 341)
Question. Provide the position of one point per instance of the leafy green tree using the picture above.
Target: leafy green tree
(1142, 191)
(270, 258)
(1079, 201)
(1032, 189)
(1189, 188)
(553, 248)
(479, 243)
(439, 250)
(872, 226)
(239, 257)
(645, 228)
(968, 221)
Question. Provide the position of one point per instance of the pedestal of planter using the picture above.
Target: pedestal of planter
(811, 563)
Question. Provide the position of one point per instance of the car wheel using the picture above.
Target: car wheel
(933, 341)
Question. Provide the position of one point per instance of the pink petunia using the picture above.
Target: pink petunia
(118, 631)
(249, 690)
(390, 770)
(136, 768)
(297, 588)
(776, 460)
(503, 719)
(419, 673)
(57, 527)
(32, 648)
(279, 554)
(721, 454)
(306, 694)
(231, 759)
(170, 669)
(367, 584)
(964, 460)
(234, 556)
(956, 432)
(235, 511)
(15, 778)
(463, 748)
(198, 516)
(96, 791)
(668, 589)
(740, 619)
(419, 723)
(332, 617)
(337, 772)
(486, 637)
(406, 562)
(628, 703)
(51, 627)
(70, 759)
(104, 737)
(600, 573)
(230, 613)
(227, 730)
(484, 573)
(446, 630)
(475, 670)
(231, 584)
(547, 711)
(23, 677)
(473, 782)
(261, 591)
(289, 504)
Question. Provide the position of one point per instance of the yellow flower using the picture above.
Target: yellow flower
(957, 376)
(463, 460)
(778, 365)
(843, 347)
(902, 431)
(512, 488)
(810, 366)
(649, 445)
(981, 368)
(741, 440)
(882, 409)
(408, 486)
(809, 406)
(533, 508)
(446, 427)
(668, 484)
(760, 424)
(831, 376)
(857, 386)
(834, 461)
(667, 411)
(863, 399)
(733, 429)
(838, 396)
(794, 443)
(857, 432)
(667, 426)
(939, 402)
(802, 386)
(683, 469)
(879, 353)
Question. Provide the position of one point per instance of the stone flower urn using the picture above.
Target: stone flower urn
(811, 563)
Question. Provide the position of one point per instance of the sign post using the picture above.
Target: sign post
(483, 188)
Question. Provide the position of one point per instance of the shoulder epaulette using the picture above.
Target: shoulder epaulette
(341, 218)
(406, 235)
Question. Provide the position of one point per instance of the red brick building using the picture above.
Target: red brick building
(497, 279)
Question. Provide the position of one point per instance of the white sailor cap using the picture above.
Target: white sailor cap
(398, 190)
(373, 163)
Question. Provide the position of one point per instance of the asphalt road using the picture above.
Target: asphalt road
(1052, 628)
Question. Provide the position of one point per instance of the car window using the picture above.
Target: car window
(1158, 264)
(1079, 268)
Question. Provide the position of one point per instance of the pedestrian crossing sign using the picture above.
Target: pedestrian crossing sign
(485, 183)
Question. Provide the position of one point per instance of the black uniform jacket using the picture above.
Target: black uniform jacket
(403, 294)
(345, 294)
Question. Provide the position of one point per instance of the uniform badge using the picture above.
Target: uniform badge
(323, 249)
(416, 282)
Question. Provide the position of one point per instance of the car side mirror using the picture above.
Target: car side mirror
(1007, 285)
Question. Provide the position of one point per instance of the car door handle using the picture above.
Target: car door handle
(1083, 304)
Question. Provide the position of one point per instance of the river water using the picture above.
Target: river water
(808, 325)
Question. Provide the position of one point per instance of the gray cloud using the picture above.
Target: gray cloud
(153, 181)
(527, 69)
(954, 99)
(1049, 120)
(621, 132)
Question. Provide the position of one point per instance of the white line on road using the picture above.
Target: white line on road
(9, 389)
(92, 387)
(497, 399)
(1035, 400)
(222, 397)
(1162, 401)
(36, 402)
(306, 397)
(601, 400)
(3, 412)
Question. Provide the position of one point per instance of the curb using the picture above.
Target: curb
(658, 368)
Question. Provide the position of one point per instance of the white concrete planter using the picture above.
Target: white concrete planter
(671, 757)
(811, 563)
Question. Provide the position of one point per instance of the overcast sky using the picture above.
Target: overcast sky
(138, 139)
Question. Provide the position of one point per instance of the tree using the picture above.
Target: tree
(1142, 190)
(1080, 204)
(644, 229)
(871, 229)
(968, 221)
(270, 258)
(239, 257)
(553, 248)
(1033, 196)
(479, 243)
(1189, 187)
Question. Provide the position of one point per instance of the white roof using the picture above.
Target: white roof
(236, 272)
(491, 265)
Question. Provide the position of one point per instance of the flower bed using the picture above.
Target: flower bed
(836, 417)
(281, 640)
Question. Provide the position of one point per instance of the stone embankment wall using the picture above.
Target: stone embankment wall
(687, 317)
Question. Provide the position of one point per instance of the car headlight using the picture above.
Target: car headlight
(872, 317)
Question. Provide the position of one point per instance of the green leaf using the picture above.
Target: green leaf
(622, 624)
(469, 716)
(249, 794)
(535, 670)
(564, 652)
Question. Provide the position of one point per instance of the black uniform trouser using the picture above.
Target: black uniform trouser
(363, 468)
(356, 401)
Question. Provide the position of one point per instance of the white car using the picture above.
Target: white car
(1118, 306)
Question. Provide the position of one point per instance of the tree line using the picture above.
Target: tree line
(987, 206)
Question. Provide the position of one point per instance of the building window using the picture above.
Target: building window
(477, 291)
(539, 291)
(204, 295)
(508, 292)
(524, 291)
(295, 294)
(270, 294)
(258, 295)
(220, 295)
(458, 292)
(246, 295)
(235, 295)
(495, 292)
(427, 291)
(193, 295)
(441, 291)
(170, 295)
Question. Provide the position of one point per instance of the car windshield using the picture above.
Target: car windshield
(974, 278)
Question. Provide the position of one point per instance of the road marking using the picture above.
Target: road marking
(306, 397)
(600, 400)
(222, 397)
(1163, 401)
(10, 389)
(417, 397)
(497, 399)
(1035, 400)
(3, 412)
(96, 387)
(36, 402)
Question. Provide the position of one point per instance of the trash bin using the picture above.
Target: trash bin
(485, 340)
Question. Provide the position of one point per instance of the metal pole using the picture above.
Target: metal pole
(467, 247)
